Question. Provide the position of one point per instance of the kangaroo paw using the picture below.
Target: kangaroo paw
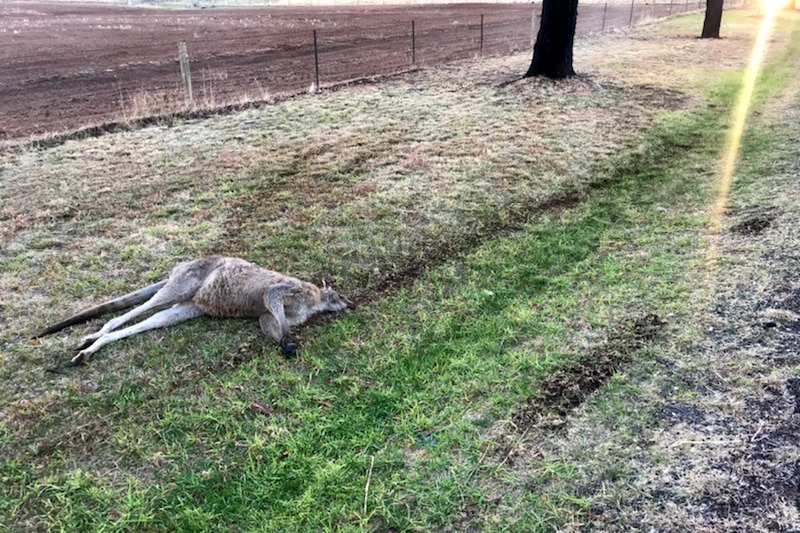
(78, 360)
(88, 340)
(289, 346)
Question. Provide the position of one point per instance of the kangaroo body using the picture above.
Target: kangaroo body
(214, 286)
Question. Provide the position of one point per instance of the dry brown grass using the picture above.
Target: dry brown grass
(362, 183)
(371, 178)
(144, 103)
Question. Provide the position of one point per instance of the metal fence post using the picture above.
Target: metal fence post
(630, 22)
(413, 44)
(605, 11)
(186, 74)
(481, 36)
(316, 60)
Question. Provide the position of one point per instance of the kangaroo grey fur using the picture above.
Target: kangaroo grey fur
(214, 286)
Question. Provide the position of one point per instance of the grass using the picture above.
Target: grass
(145, 105)
(669, 443)
(409, 379)
(726, 374)
(422, 393)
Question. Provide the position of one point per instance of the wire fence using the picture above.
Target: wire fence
(65, 78)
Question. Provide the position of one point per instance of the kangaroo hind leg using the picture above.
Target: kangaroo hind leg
(162, 319)
(177, 290)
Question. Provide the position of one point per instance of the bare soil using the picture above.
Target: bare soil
(565, 389)
(72, 66)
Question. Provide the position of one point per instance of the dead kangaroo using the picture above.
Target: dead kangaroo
(215, 286)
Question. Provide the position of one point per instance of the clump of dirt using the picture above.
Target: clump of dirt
(677, 411)
(778, 334)
(790, 301)
(755, 225)
(793, 389)
(763, 471)
(566, 388)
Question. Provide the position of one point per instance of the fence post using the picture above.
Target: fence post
(670, 7)
(630, 22)
(481, 36)
(186, 75)
(413, 44)
(605, 10)
(687, 6)
(316, 61)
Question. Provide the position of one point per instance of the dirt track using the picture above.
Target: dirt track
(70, 66)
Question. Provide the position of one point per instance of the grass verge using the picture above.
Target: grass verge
(403, 416)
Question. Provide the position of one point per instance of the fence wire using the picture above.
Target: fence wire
(53, 81)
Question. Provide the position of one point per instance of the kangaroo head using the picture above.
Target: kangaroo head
(333, 301)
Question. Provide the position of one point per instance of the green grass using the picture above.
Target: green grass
(411, 393)
(400, 376)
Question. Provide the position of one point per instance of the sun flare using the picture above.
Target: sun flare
(771, 5)
(733, 142)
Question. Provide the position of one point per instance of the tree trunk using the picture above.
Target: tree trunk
(552, 54)
(713, 19)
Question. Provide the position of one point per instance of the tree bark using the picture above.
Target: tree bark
(713, 19)
(552, 53)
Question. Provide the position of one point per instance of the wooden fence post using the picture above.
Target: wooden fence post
(186, 75)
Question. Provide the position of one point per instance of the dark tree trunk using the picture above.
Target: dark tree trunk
(552, 54)
(713, 19)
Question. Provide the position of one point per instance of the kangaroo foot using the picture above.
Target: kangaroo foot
(78, 360)
(289, 346)
(87, 341)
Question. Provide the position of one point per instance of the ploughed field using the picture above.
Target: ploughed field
(66, 66)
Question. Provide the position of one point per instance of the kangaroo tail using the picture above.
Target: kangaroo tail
(123, 302)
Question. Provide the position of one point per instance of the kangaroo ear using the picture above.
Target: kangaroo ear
(324, 283)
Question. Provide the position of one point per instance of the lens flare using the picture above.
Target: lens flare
(734, 139)
(739, 117)
(773, 4)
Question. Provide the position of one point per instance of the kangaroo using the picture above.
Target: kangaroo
(214, 286)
